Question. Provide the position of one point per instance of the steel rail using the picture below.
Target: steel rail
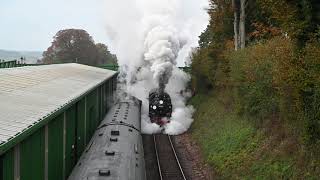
(175, 155)
(157, 156)
(177, 159)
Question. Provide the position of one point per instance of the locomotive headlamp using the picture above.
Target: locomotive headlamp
(154, 107)
(161, 102)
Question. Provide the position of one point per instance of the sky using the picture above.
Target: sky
(30, 25)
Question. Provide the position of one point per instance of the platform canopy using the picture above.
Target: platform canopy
(30, 94)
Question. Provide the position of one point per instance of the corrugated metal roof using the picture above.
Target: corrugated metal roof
(29, 94)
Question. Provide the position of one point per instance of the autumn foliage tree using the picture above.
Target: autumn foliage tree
(275, 70)
(77, 46)
(104, 55)
(207, 60)
(299, 19)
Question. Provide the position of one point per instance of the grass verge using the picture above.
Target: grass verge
(236, 149)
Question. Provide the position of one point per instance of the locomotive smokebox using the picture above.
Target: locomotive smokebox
(160, 106)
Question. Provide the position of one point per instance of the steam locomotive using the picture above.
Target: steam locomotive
(160, 107)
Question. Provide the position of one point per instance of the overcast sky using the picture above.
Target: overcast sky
(31, 24)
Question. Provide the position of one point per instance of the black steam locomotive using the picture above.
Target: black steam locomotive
(160, 107)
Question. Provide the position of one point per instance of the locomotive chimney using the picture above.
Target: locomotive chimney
(161, 87)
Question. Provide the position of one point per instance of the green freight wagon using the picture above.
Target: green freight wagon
(48, 114)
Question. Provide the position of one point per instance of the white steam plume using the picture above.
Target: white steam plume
(150, 38)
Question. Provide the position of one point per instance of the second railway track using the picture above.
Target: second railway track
(168, 162)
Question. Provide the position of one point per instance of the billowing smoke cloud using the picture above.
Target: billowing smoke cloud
(150, 38)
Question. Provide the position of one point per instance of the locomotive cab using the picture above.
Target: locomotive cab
(160, 107)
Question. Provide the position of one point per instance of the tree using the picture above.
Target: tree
(299, 19)
(235, 6)
(104, 55)
(242, 24)
(72, 45)
(239, 11)
(208, 61)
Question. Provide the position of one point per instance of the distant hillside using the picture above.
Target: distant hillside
(31, 56)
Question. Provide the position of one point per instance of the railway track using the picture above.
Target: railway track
(169, 167)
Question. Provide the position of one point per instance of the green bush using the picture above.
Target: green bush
(272, 80)
(255, 72)
(207, 64)
(311, 92)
